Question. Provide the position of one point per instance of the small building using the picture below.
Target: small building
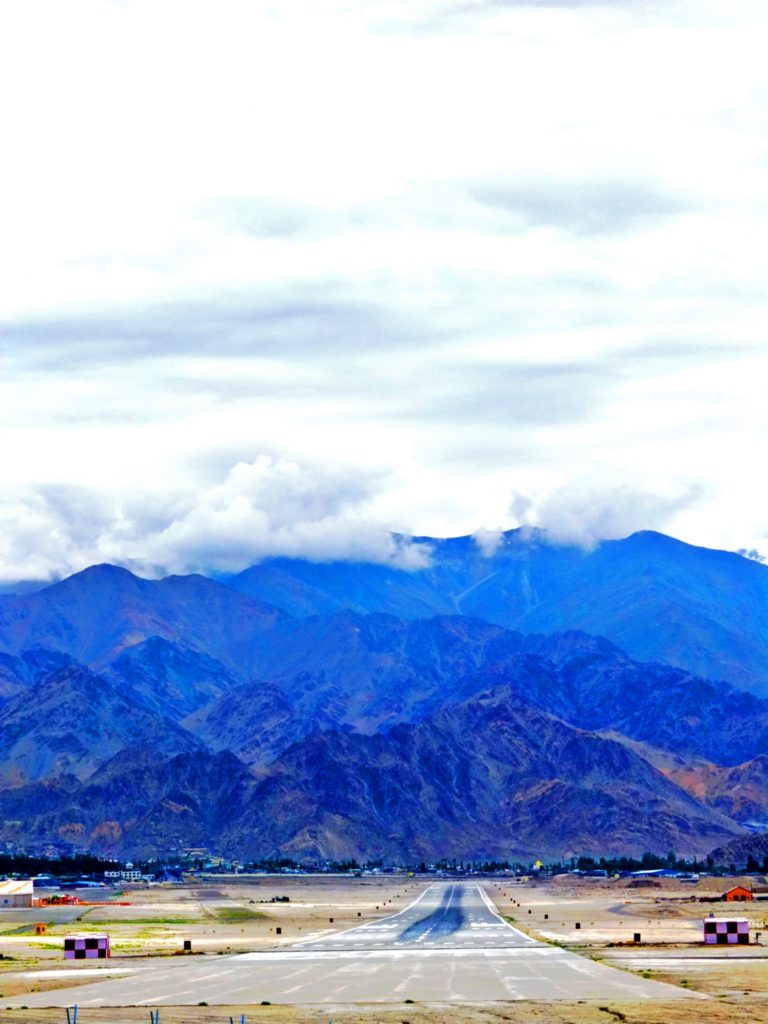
(123, 876)
(721, 931)
(14, 893)
(760, 892)
(86, 947)
(738, 894)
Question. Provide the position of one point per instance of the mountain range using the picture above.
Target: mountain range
(536, 700)
(657, 598)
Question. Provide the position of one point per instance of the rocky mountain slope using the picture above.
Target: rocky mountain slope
(174, 679)
(480, 778)
(659, 599)
(591, 683)
(367, 673)
(71, 721)
(97, 614)
(742, 850)
(350, 732)
(739, 791)
(18, 671)
(492, 776)
(139, 803)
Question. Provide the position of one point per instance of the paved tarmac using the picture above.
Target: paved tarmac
(446, 915)
(449, 945)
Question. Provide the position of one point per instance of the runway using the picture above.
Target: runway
(446, 916)
(449, 945)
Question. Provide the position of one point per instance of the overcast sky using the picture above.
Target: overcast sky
(281, 277)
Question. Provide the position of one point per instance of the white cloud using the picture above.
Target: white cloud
(277, 507)
(268, 507)
(469, 249)
(488, 540)
(585, 515)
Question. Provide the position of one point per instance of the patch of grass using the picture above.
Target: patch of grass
(234, 915)
(149, 933)
(146, 920)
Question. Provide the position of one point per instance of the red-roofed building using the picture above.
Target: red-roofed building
(738, 894)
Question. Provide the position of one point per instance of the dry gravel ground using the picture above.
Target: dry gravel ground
(225, 916)
(668, 915)
(220, 917)
(495, 1013)
(613, 911)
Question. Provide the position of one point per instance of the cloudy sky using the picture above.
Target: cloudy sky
(282, 277)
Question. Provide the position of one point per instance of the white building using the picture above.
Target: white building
(14, 893)
(123, 876)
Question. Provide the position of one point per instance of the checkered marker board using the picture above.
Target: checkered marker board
(721, 931)
(86, 947)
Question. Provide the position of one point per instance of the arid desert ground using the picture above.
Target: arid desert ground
(226, 915)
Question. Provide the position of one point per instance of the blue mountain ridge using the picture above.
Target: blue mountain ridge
(297, 678)
(657, 598)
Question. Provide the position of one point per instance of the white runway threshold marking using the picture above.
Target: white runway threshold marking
(449, 945)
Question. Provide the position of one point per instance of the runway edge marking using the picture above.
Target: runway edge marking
(367, 924)
(494, 911)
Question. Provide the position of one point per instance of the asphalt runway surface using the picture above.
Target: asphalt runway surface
(449, 945)
(446, 915)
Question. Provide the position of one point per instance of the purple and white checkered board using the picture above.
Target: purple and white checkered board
(723, 931)
(86, 947)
